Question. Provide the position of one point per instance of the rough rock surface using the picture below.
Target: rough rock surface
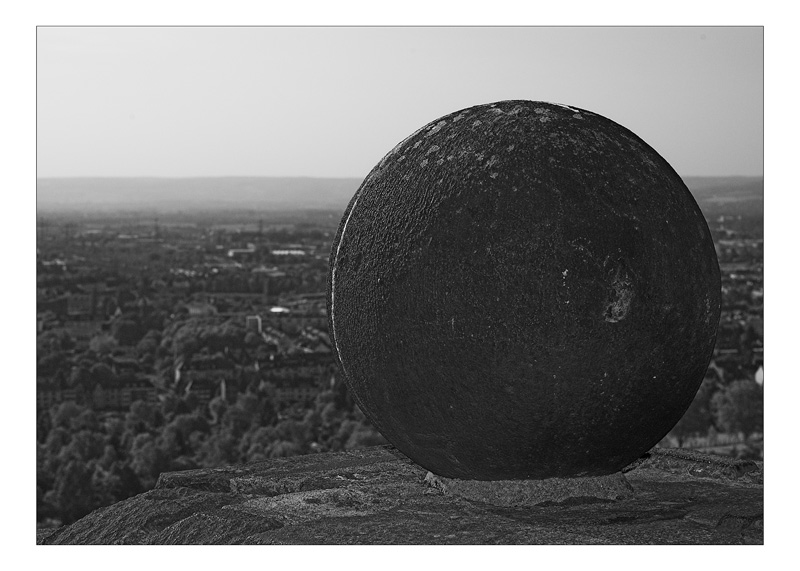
(523, 290)
(378, 496)
(520, 493)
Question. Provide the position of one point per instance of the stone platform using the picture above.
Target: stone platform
(378, 496)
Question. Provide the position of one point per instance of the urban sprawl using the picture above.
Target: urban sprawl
(168, 342)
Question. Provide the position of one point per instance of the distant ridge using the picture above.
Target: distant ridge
(294, 193)
(186, 194)
(728, 195)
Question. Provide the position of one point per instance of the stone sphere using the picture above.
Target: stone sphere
(523, 290)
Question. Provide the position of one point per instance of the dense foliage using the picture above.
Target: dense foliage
(86, 460)
(734, 409)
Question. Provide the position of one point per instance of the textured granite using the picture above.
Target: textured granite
(523, 290)
(378, 496)
(548, 491)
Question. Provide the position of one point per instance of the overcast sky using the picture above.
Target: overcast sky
(330, 102)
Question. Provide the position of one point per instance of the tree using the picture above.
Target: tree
(171, 405)
(143, 416)
(80, 377)
(149, 343)
(255, 444)
(217, 408)
(740, 407)
(53, 341)
(698, 417)
(43, 423)
(64, 413)
(219, 449)
(126, 331)
(147, 459)
(101, 373)
(102, 344)
(174, 439)
(252, 339)
(364, 436)
(84, 446)
(50, 363)
(72, 493)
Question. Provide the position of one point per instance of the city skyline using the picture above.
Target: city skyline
(330, 102)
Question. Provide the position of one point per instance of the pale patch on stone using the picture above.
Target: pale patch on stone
(299, 507)
(566, 107)
(432, 130)
(622, 295)
(519, 493)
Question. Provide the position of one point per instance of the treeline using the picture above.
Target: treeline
(87, 460)
(735, 408)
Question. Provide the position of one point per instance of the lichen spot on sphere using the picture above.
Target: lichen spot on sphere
(523, 290)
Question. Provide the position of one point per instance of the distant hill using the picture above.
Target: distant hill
(730, 195)
(170, 194)
(715, 195)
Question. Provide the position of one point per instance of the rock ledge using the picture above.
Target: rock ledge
(378, 496)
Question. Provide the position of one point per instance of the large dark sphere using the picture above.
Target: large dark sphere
(523, 290)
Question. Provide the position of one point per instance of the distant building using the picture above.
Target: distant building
(295, 390)
(120, 395)
(242, 253)
(282, 317)
(125, 364)
(287, 252)
(273, 272)
(80, 305)
(117, 394)
(82, 331)
(49, 396)
(205, 385)
(253, 323)
(199, 309)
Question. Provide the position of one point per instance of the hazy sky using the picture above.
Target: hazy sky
(332, 101)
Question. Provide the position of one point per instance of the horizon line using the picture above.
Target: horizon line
(177, 177)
